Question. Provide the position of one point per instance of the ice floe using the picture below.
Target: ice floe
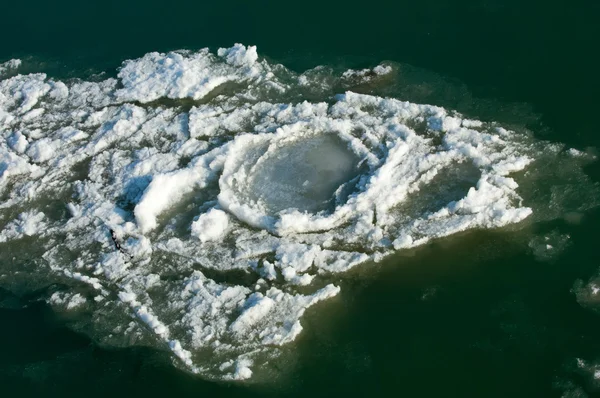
(202, 196)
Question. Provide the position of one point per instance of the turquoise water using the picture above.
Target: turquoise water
(476, 314)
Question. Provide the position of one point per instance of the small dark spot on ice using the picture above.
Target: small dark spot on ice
(115, 240)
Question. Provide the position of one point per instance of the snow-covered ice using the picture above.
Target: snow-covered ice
(237, 174)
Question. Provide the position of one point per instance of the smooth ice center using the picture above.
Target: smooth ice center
(305, 174)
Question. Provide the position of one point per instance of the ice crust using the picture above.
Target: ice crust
(251, 179)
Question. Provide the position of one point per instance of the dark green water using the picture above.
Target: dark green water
(494, 322)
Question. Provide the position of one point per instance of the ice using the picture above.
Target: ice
(24, 90)
(242, 370)
(546, 247)
(257, 307)
(367, 75)
(201, 197)
(166, 189)
(181, 74)
(27, 224)
(42, 150)
(11, 164)
(210, 225)
(67, 301)
(303, 175)
(9, 66)
(298, 256)
(403, 242)
(239, 55)
(18, 142)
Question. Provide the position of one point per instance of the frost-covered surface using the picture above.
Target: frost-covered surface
(234, 201)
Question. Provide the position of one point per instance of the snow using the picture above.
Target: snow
(181, 74)
(242, 369)
(258, 307)
(9, 66)
(12, 164)
(366, 75)
(27, 224)
(67, 301)
(239, 55)
(210, 225)
(18, 142)
(42, 150)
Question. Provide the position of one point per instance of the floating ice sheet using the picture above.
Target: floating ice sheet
(216, 221)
